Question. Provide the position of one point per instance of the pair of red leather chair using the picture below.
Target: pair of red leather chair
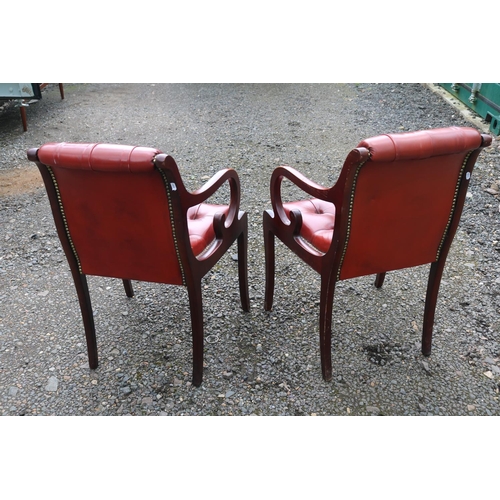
(124, 212)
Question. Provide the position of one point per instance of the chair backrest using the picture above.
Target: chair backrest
(115, 206)
(404, 196)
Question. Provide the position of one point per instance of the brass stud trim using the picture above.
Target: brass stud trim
(453, 205)
(172, 223)
(349, 218)
(65, 222)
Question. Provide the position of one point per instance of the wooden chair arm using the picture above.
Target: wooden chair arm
(212, 186)
(299, 180)
(190, 199)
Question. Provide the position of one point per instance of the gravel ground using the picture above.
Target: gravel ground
(257, 363)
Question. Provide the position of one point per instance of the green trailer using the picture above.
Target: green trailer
(482, 98)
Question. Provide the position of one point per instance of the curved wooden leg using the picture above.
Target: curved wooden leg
(325, 325)
(88, 317)
(128, 288)
(430, 305)
(379, 280)
(270, 265)
(61, 90)
(243, 268)
(196, 306)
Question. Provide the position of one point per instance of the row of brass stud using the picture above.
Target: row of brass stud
(349, 217)
(63, 215)
(172, 223)
(455, 196)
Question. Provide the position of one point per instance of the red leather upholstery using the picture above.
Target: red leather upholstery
(404, 197)
(98, 157)
(124, 228)
(421, 144)
(124, 212)
(116, 210)
(318, 221)
(393, 224)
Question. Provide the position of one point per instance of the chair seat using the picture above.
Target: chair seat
(318, 221)
(201, 225)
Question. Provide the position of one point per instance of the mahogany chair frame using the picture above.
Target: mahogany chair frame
(228, 229)
(329, 264)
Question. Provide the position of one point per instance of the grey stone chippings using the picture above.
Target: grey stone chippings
(256, 363)
(52, 384)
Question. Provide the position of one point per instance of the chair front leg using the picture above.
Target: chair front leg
(243, 267)
(196, 306)
(269, 262)
(325, 325)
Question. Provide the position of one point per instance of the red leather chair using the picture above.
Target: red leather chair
(396, 204)
(124, 212)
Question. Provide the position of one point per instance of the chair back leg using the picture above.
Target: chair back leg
(127, 284)
(82, 290)
(379, 280)
(243, 268)
(269, 263)
(433, 283)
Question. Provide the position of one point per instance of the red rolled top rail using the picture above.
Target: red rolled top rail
(98, 157)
